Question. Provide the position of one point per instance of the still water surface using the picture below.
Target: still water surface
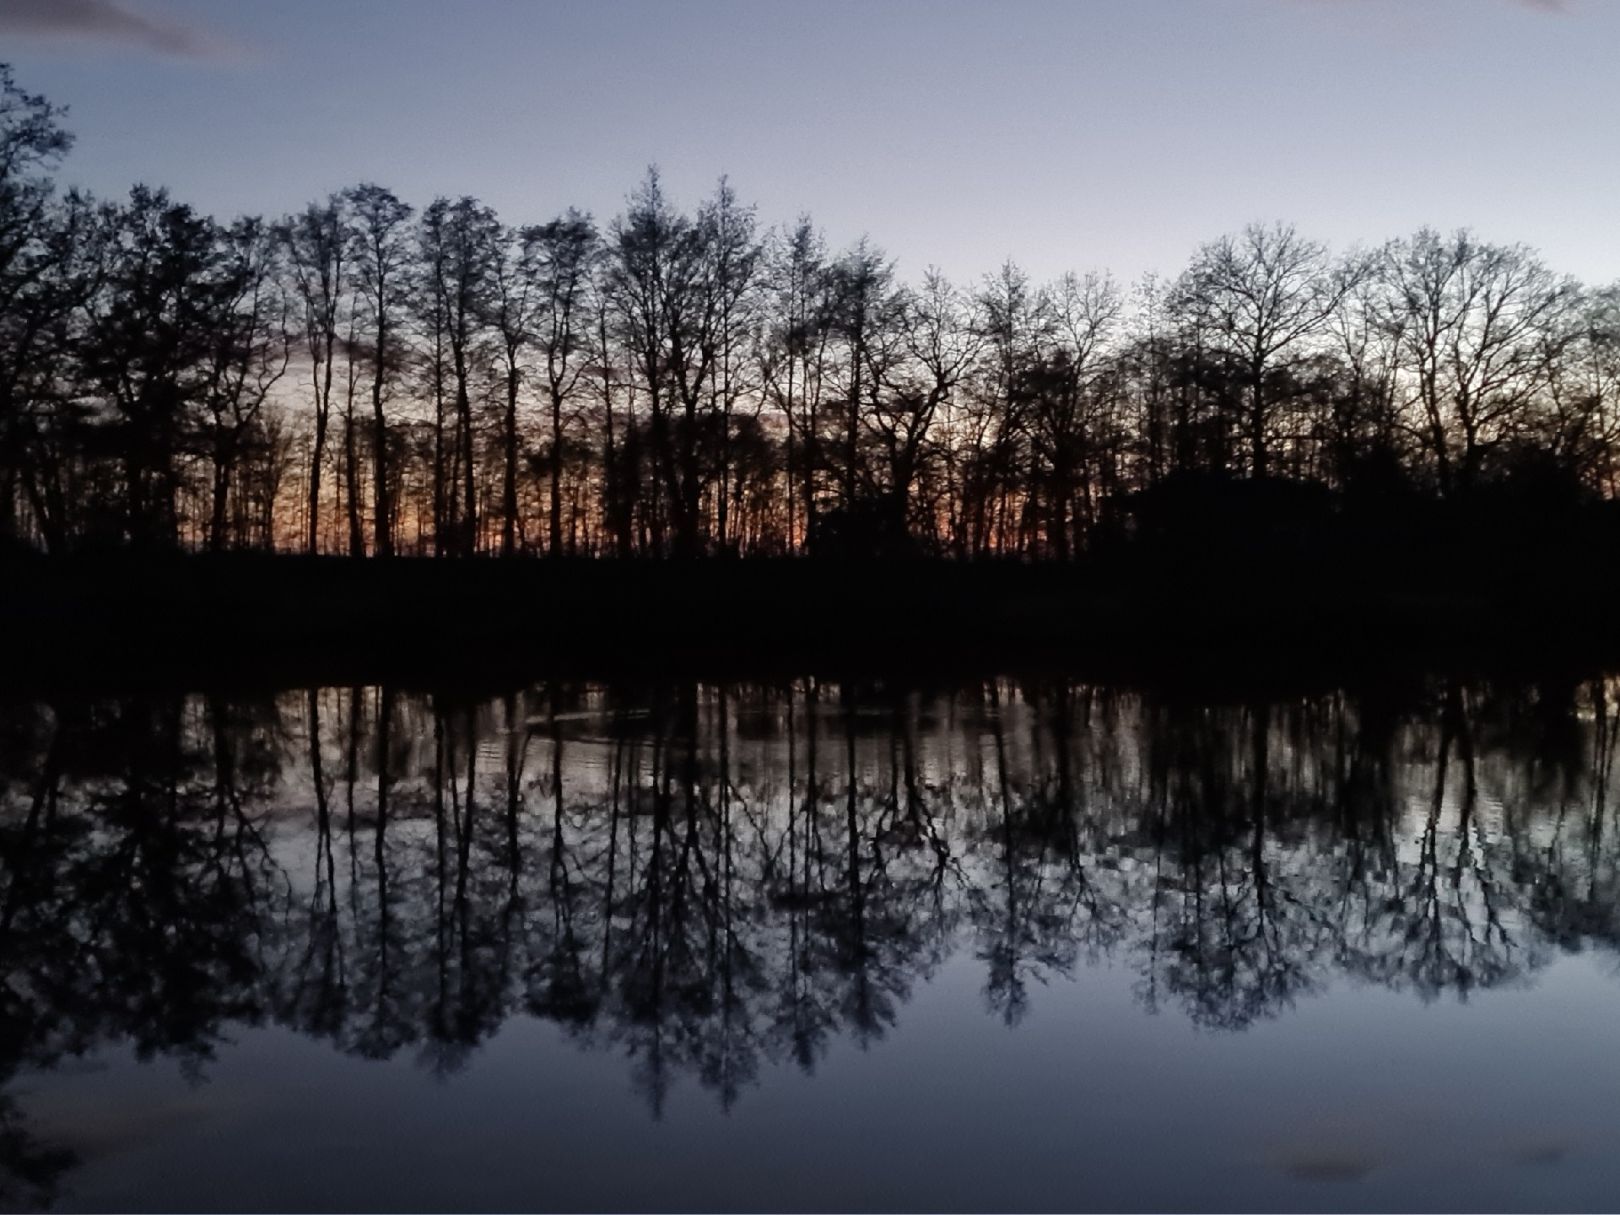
(812, 946)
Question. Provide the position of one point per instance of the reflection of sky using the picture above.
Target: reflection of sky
(1063, 133)
(1365, 1101)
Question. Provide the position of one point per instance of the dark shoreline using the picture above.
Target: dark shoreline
(239, 620)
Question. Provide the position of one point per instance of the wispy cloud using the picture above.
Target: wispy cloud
(109, 22)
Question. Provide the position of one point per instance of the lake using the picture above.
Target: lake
(811, 945)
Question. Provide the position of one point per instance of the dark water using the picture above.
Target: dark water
(1010, 946)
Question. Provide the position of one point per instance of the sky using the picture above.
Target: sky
(1064, 134)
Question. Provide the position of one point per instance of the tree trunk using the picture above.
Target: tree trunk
(509, 474)
(316, 455)
(556, 473)
(382, 515)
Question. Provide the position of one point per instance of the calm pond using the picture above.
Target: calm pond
(1014, 945)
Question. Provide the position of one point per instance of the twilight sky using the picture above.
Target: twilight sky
(1063, 133)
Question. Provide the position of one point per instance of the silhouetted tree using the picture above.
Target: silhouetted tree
(1471, 320)
(381, 267)
(565, 252)
(318, 241)
(1266, 293)
(41, 284)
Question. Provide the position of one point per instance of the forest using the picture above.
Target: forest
(367, 377)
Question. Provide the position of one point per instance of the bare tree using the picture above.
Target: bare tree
(653, 271)
(936, 347)
(1267, 291)
(381, 264)
(459, 240)
(733, 258)
(1471, 319)
(251, 350)
(1062, 410)
(564, 252)
(37, 242)
(793, 355)
(317, 241)
(863, 306)
(514, 300)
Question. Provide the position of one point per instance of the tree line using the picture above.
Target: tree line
(370, 378)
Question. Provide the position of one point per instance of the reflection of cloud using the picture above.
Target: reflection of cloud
(1542, 1152)
(107, 21)
(1326, 1166)
(107, 1129)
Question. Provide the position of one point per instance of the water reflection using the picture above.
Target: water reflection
(709, 879)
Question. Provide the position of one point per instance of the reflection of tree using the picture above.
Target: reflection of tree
(136, 893)
(30, 1171)
(711, 879)
(131, 914)
(1236, 933)
(1045, 902)
(316, 997)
